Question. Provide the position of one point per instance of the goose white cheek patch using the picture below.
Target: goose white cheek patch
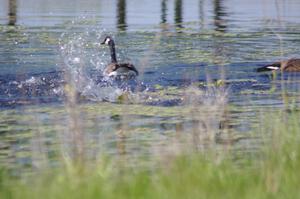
(273, 67)
(107, 40)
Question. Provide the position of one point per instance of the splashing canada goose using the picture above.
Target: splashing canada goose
(290, 65)
(114, 68)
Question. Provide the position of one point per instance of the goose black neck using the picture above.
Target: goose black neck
(112, 52)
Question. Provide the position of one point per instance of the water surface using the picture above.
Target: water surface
(181, 49)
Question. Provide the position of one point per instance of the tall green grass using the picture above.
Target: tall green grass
(273, 174)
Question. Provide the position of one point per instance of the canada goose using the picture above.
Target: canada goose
(114, 68)
(290, 65)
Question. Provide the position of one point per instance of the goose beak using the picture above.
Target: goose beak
(102, 42)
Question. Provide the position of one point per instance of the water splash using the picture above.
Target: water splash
(84, 61)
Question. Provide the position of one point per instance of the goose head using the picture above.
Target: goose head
(108, 40)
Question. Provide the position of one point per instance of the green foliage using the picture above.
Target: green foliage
(275, 175)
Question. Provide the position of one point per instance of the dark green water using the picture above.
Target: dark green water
(179, 47)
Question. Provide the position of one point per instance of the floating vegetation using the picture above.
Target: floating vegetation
(198, 89)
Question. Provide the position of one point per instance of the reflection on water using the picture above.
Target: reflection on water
(130, 15)
(121, 15)
(12, 17)
(163, 14)
(219, 14)
(178, 13)
(201, 13)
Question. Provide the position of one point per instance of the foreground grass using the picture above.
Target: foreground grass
(275, 175)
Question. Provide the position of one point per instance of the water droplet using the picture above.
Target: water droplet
(76, 60)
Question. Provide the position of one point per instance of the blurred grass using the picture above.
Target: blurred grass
(212, 174)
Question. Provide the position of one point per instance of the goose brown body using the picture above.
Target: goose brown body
(290, 65)
(122, 68)
(115, 68)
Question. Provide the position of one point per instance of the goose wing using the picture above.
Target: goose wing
(129, 67)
